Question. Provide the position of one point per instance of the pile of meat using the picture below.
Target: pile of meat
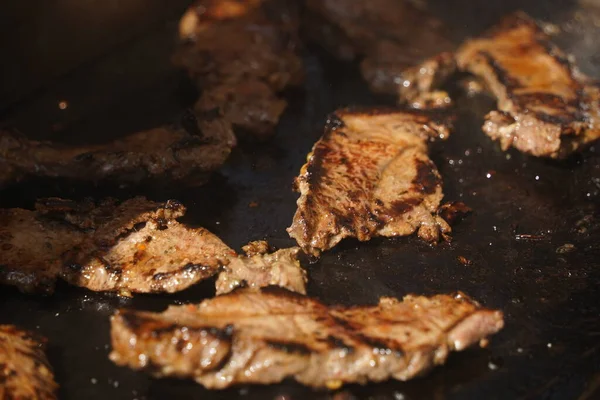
(368, 175)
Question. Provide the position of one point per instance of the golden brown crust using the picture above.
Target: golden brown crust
(369, 175)
(266, 336)
(133, 246)
(546, 107)
(25, 373)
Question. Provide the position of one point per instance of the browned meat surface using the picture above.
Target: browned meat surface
(136, 246)
(388, 35)
(266, 336)
(242, 54)
(259, 268)
(25, 373)
(370, 175)
(190, 153)
(546, 106)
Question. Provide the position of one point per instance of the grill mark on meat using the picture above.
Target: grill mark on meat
(25, 372)
(381, 346)
(403, 206)
(369, 175)
(546, 106)
(395, 339)
(505, 79)
(289, 347)
(427, 180)
(338, 343)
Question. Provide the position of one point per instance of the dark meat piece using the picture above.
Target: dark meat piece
(389, 35)
(242, 55)
(259, 268)
(135, 246)
(173, 153)
(546, 106)
(263, 337)
(24, 369)
(370, 175)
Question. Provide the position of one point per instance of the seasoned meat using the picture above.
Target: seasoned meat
(242, 54)
(266, 336)
(546, 106)
(25, 373)
(370, 175)
(259, 268)
(388, 35)
(190, 152)
(135, 246)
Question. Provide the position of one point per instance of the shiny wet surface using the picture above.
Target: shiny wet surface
(531, 247)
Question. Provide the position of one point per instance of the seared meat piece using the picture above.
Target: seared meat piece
(24, 369)
(263, 337)
(175, 153)
(389, 35)
(259, 268)
(546, 106)
(242, 54)
(135, 246)
(370, 175)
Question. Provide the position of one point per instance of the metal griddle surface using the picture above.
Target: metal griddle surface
(550, 347)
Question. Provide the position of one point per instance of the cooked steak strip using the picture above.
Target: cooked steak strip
(190, 152)
(389, 36)
(546, 106)
(259, 268)
(370, 175)
(136, 246)
(24, 369)
(250, 337)
(242, 56)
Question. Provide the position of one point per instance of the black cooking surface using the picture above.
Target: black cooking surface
(114, 73)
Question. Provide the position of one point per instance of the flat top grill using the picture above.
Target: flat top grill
(525, 209)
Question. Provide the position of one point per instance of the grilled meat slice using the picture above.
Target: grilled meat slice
(136, 246)
(266, 336)
(242, 54)
(370, 175)
(190, 152)
(24, 369)
(259, 268)
(388, 35)
(546, 106)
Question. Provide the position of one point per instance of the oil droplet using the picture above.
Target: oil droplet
(63, 105)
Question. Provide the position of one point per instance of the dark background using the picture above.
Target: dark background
(109, 60)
